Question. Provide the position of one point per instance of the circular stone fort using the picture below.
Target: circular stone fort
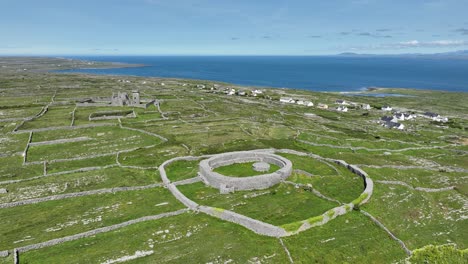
(227, 184)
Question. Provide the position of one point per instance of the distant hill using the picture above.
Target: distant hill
(460, 54)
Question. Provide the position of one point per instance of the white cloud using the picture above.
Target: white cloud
(413, 44)
(436, 43)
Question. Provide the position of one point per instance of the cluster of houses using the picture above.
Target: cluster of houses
(343, 105)
(392, 121)
(388, 121)
(231, 91)
(435, 117)
(290, 100)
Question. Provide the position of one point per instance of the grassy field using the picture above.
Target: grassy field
(35, 223)
(243, 170)
(190, 238)
(277, 205)
(69, 155)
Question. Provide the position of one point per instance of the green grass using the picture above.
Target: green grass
(192, 238)
(154, 156)
(243, 170)
(292, 227)
(77, 164)
(439, 254)
(278, 205)
(12, 169)
(420, 218)
(56, 116)
(78, 182)
(182, 170)
(350, 238)
(71, 216)
(102, 140)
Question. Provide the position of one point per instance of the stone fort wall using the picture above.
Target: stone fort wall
(244, 183)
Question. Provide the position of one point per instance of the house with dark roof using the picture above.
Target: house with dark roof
(386, 108)
(435, 117)
(342, 108)
(395, 125)
(386, 119)
(341, 102)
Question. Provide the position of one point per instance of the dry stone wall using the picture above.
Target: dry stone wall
(78, 194)
(97, 231)
(257, 226)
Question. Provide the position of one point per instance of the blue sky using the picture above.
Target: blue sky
(237, 27)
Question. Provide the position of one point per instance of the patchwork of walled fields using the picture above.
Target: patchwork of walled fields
(75, 190)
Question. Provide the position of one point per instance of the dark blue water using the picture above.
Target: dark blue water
(324, 73)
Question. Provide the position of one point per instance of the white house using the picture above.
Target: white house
(395, 125)
(409, 116)
(436, 117)
(304, 102)
(342, 108)
(256, 92)
(341, 102)
(232, 92)
(399, 116)
(387, 108)
(241, 93)
(288, 100)
(366, 106)
(387, 119)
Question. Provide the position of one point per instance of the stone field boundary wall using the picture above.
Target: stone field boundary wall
(111, 115)
(97, 231)
(258, 182)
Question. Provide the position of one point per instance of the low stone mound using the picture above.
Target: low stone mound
(261, 166)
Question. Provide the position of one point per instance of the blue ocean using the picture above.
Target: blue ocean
(317, 73)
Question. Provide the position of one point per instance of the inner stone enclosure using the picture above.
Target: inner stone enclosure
(228, 184)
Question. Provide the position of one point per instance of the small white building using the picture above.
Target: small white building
(242, 93)
(366, 106)
(304, 102)
(435, 117)
(409, 116)
(201, 86)
(342, 108)
(395, 125)
(387, 119)
(341, 102)
(387, 108)
(399, 116)
(287, 100)
(232, 91)
(256, 92)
